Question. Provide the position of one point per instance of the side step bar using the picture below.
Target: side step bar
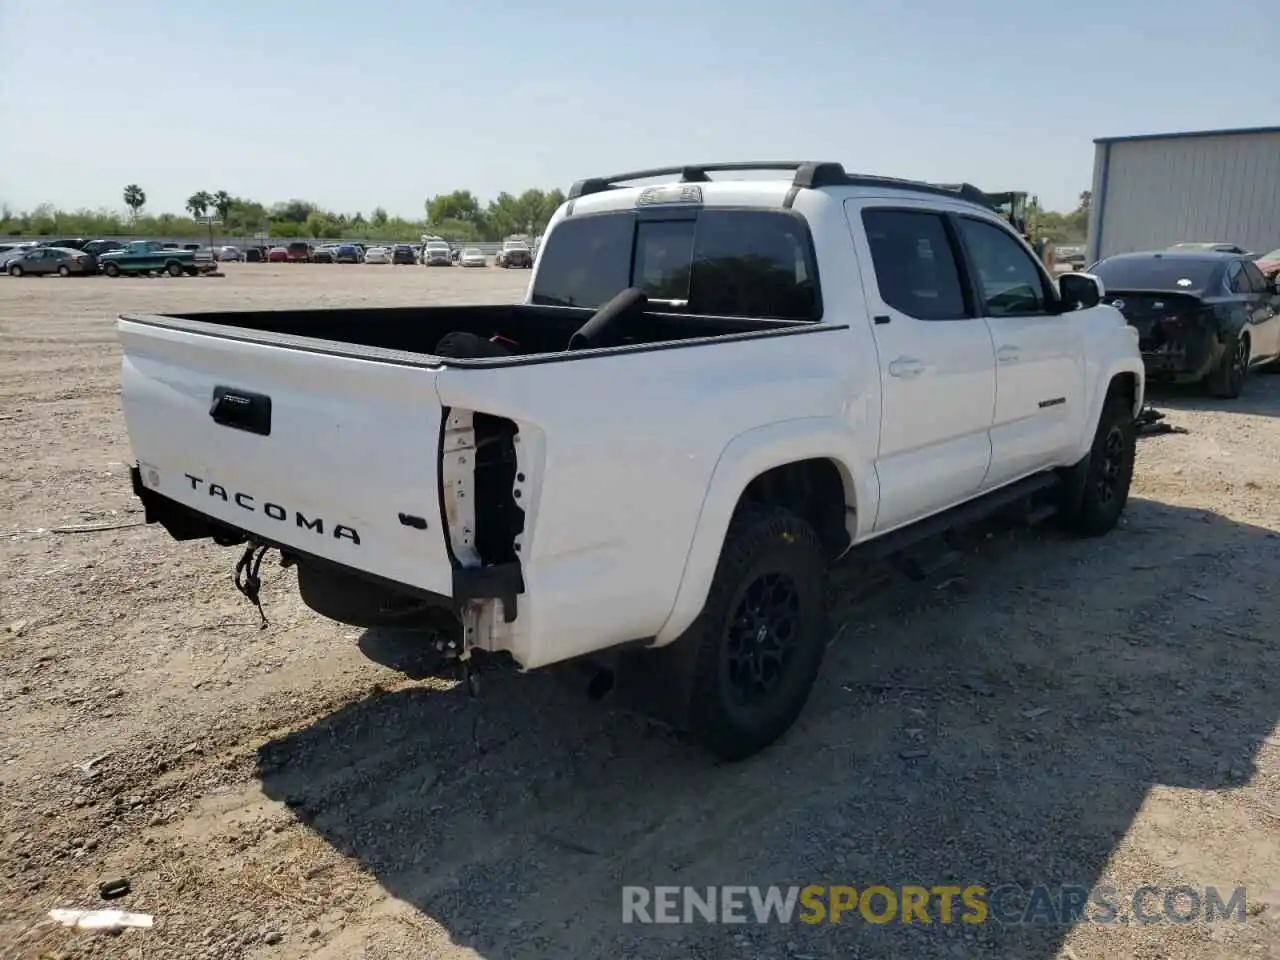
(982, 508)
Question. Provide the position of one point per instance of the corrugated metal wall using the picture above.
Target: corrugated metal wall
(1150, 194)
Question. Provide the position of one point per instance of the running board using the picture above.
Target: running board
(939, 524)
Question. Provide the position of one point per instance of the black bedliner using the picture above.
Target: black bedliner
(534, 330)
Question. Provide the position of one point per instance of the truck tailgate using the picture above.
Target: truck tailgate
(336, 456)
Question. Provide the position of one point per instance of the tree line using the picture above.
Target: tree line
(456, 216)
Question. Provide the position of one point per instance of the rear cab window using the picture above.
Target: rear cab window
(712, 261)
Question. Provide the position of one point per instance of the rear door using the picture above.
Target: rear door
(1265, 319)
(335, 456)
(937, 368)
(1039, 354)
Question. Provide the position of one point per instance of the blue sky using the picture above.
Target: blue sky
(386, 102)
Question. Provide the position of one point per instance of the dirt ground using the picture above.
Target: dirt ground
(1051, 711)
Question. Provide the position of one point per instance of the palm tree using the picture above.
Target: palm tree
(198, 203)
(135, 200)
(222, 203)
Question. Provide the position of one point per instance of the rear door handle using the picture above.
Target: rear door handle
(906, 368)
(1007, 354)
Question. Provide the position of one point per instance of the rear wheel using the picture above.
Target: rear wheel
(1226, 381)
(761, 635)
(64, 271)
(174, 269)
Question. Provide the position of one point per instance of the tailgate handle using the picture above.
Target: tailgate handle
(241, 410)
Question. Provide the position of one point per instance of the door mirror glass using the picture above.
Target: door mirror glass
(1080, 291)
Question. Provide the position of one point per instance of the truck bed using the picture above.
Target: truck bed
(539, 331)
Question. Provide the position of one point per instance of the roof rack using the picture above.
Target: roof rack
(809, 174)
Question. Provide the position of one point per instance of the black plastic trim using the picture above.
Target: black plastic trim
(980, 508)
(498, 581)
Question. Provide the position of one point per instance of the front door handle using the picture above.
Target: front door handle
(906, 368)
(1007, 354)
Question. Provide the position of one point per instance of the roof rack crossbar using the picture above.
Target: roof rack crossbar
(689, 173)
(809, 174)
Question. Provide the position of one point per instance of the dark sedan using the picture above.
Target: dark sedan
(404, 254)
(1202, 316)
(64, 261)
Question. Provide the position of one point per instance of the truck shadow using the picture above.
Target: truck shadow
(1260, 397)
(1000, 726)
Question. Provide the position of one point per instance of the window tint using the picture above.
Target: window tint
(1009, 282)
(1257, 282)
(586, 261)
(914, 263)
(1236, 281)
(746, 263)
(1147, 271)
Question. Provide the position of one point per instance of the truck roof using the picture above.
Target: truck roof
(621, 190)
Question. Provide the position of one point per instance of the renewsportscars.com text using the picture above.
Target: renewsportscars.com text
(971, 904)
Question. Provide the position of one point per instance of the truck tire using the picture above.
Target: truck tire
(111, 270)
(173, 268)
(1226, 380)
(761, 635)
(1096, 489)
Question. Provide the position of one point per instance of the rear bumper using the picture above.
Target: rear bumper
(1185, 362)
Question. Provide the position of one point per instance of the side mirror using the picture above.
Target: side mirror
(1080, 291)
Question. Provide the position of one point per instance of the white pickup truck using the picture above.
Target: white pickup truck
(713, 389)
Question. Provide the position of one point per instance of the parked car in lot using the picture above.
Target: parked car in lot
(403, 253)
(278, 255)
(437, 253)
(1269, 263)
(99, 247)
(10, 250)
(148, 256)
(807, 359)
(325, 253)
(473, 257)
(515, 253)
(1202, 316)
(299, 252)
(230, 254)
(67, 243)
(347, 253)
(1210, 246)
(377, 255)
(64, 261)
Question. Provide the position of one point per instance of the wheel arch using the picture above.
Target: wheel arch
(1126, 378)
(797, 464)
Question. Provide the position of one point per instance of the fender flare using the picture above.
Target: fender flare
(1102, 386)
(744, 458)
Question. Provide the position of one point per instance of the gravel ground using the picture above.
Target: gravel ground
(1049, 711)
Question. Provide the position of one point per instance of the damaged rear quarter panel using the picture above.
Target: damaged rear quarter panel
(618, 450)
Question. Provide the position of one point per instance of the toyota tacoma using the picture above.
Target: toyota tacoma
(714, 389)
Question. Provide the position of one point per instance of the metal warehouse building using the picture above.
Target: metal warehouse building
(1152, 191)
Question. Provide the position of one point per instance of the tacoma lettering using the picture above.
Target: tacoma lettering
(275, 511)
